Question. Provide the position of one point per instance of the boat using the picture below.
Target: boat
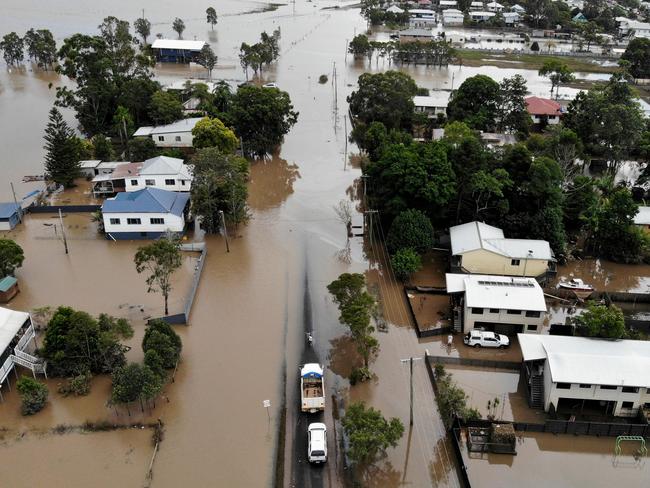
(576, 285)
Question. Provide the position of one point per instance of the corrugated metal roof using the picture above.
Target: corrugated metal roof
(10, 323)
(437, 98)
(7, 282)
(183, 125)
(507, 293)
(542, 106)
(8, 209)
(164, 165)
(590, 361)
(148, 200)
(178, 44)
(643, 217)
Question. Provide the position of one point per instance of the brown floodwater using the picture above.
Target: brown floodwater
(246, 334)
(607, 275)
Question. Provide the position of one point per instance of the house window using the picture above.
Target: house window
(115, 221)
(156, 221)
(178, 138)
(133, 221)
(477, 311)
(533, 314)
(608, 387)
(134, 182)
(531, 327)
(170, 182)
(150, 182)
(182, 182)
(630, 389)
(584, 385)
(627, 405)
(563, 386)
(514, 312)
(515, 262)
(494, 310)
(161, 138)
(551, 117)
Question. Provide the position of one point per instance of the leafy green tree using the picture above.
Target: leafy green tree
(410, 229)
(12, 49)
(356, 306)
(590, 32)
(476, 102)
(75, 342)
(220, 184)
(159, 260)
(154, 362)
(565, 147)
(488, 188)
(369, 434)
(512, 113)
(135, 382)
(179, 26)
(142, 148)
(11, 257)
(452, 400)
(62, 158)
(41, 47)
(359, 46)
(103, 148)
(207, 59)
(210, 132)
(558, 73)
(386, 98)
(262, 117)
(162, 338)
(211, 15)
(580, 203)
(405, 262)
(142, 27)
(601, 321)
(33, 395)
(415, 176)
(107, 72)
(165, 108)
(637, 54)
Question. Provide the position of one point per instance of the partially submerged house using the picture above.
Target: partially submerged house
(9, 215)
(8, 288)
(452, 17)
(176, 50)
(544, 110)
(145, 214)
(478, 248)
(88, 168)
(415, 35)
(580, 375)
(177, 134)
(481, 16)
(503, 304)
(161, 172)
(17, 343)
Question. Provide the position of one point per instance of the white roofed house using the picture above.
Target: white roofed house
(642, 218)
(476, 6)
(415, 35)
(17, 344)
(478, 248)
(452, 17)
(433, 104)
(511, 18)
(480, 16)
(176, 50)
(576, 376)
(176, 134)
(502, 304)
(494, 7)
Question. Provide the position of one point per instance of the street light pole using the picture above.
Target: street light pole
(410, 361)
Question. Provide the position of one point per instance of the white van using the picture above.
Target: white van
(317, 443)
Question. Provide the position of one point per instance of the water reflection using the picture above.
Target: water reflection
(271, 182)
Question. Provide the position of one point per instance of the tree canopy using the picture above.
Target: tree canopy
(211, 132)
(410, 229)
(159, 260)
(165, 108)
(601, 321)
(637, 54)
(11, 257)
(476, 103)
(62, 151)
(12, 48)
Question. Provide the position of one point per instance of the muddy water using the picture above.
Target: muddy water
(608, 276)
(251, 311)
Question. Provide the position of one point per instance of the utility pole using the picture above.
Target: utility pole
(369, 225)
(410, 361)
(65, 241)
(364, 178)
(20, 209)
(225, 230)
(345, 161)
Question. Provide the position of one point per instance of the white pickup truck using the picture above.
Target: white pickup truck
(312, 388)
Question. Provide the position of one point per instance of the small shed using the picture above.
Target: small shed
(9, 215)
(8, 288)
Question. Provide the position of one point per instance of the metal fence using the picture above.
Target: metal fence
(64, 208)
(605, 429)
(482, 363)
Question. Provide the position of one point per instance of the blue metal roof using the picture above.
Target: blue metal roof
(8, 209)
(148, 200)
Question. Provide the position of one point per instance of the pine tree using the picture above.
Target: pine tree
(61, 161)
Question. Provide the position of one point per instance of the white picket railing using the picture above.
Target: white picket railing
(29, 334)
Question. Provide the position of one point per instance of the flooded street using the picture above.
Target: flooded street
(246, 336)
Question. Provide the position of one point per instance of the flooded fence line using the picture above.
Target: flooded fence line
(39, 209)
(183, 317)
(575, 427)
(419, 329)
(608, 296)
(481, 363)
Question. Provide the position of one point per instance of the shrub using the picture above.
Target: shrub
(77, 386)
(405, 262)
(359, 375)
(33, 394)
(411, 229)
(322, 79)
(160, 337)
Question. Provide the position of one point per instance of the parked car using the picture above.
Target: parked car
(483, 338)
(317, 443)
(269, 85)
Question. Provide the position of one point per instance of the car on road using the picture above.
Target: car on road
(317, 443)
(483, 338)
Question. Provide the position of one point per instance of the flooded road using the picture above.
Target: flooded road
(246, 337)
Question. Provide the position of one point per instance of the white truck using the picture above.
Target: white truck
(312, 388)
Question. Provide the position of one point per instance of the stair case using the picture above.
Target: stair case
(536, 398)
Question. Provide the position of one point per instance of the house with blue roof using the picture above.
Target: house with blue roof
(9, 215)
(145, 214)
